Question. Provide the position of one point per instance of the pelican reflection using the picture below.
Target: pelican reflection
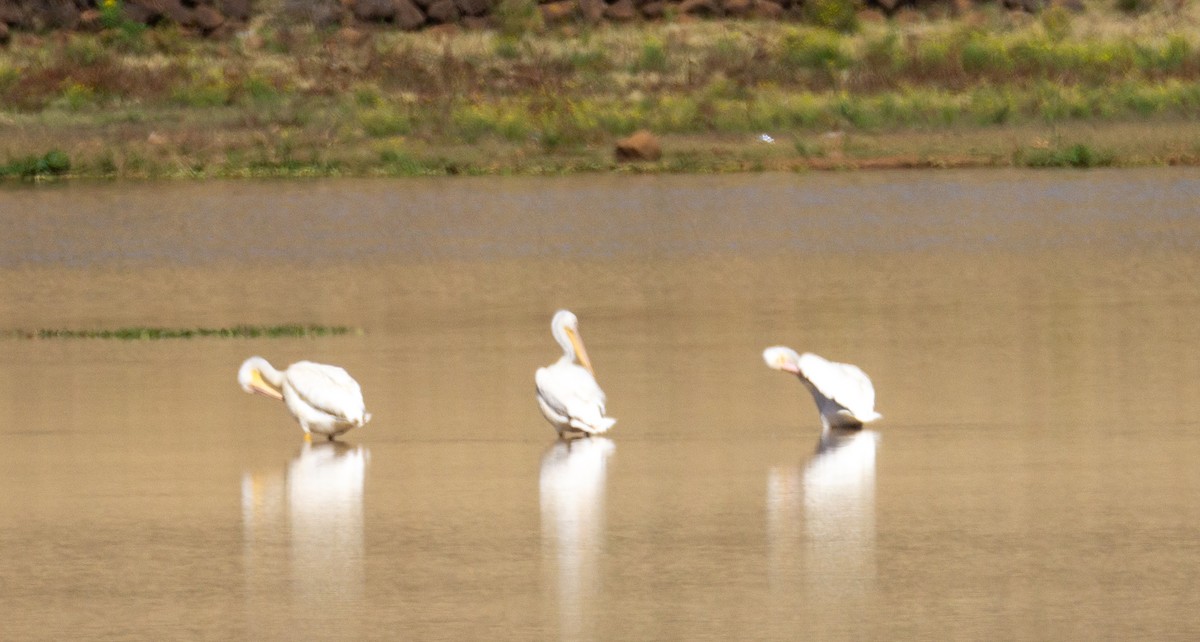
(571, 490)
(839, 513)
(821, 525)
(308, 519)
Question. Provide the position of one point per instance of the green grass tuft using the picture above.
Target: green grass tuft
(1078, 155)
(52, 163)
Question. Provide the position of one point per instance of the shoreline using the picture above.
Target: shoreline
(1076, 145)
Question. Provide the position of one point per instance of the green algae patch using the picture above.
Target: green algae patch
(138, 333)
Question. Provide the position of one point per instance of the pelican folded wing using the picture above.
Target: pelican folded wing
(328, 389)
(844, 384)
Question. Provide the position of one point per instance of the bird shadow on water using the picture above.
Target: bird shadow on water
(821, 522)
(302, 533)
(571, 485)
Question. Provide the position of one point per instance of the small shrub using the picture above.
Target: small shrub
(515, 18)
(212, 90)
(813, 49)
(991, 107)
(106, 165)
(1078, 155)
(9, 76)
(1056, 21)
(1133, 7)
(383, 121)
(885, 53)
(472, 123)
(261, 91)
(367, 95)
(53, 163)
(1176, 53)
(121, 31)
(589, 61)
(76, 96)
(84, 51)
(508, 48)
(838, 15)
(401, 162)
(977, 57)
(809, 150)
(652, 57)
(112, 14)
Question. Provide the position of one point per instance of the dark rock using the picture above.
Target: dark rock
(409, 16)
(140, 14)
(60, 14)
(323, 14)
(207, 19)
(871, 15)
(152, 12)
(702, 8)
(767, 10)
(374, 10)
(653, 9)
(592, 10)
(737, 8)
(444, 32)
(443, 11)
(478, 23)
(234, 9)
(641, 145)
(89, 20)
(1074, 6)
(10, 13)
(621, 11)
(474, 7)
(175, 11)
(1031, 6)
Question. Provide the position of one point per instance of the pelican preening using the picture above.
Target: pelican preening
(567, 392)
(844, 395)
(324, 399)
(327, 401)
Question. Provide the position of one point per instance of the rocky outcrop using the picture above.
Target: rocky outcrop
(224, 17)
(639, 146)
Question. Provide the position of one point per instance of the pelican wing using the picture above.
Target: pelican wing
(572, 392)
(329, 389)
(842, 383)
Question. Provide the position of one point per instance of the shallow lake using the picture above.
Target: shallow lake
(1032, 337)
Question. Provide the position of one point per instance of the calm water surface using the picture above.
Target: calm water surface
(1032, 337)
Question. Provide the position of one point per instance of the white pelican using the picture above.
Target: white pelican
(844, 395)
(567, 393)
(324, 399)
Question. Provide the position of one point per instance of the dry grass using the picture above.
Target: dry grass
(289, 101)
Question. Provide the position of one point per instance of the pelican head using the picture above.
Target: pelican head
(782, 358)
(565, 328)
(258, 376)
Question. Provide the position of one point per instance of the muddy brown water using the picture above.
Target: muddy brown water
(1032, 337)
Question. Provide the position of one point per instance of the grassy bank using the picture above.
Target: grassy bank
(986, 89)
